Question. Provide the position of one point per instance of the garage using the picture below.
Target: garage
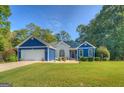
(33, 55)
(34, 49)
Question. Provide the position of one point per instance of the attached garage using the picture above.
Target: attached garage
(33, 49)
(33, 55)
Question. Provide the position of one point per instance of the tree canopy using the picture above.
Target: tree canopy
(32, 29)
(5, 35)
(63, 35)
(106, 29)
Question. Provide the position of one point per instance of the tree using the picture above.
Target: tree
(82, 30)
(103, 52)
(32, 29)
(106, 29)
(63, 35)
(4, 28)
(18, 36)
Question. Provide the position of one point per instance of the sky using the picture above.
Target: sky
(53, 17)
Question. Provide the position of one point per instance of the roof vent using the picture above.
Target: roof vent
(32, 38)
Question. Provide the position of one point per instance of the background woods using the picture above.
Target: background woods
(106, 29)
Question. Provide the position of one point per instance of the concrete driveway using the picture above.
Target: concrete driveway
(12, 65)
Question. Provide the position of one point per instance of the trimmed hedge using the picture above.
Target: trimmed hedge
(61, 59)
(83, 59)
(105, 59)
(90, 58)
(97, 59)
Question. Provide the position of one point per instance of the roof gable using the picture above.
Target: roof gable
(31, 42)
(62, 42)
(86, 44)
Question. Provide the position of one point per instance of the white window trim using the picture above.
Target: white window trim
(89, 52)
(82, 53)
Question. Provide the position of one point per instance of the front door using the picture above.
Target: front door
(73, 54)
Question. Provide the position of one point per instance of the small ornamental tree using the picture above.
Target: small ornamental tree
(103, 53)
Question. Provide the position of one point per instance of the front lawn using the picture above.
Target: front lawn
(83, 74)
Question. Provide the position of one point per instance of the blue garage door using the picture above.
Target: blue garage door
(85, 52)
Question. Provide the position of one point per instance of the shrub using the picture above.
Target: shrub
(105, 59)
(90, 59)
(103, 52)
(58, 59)
(97, 58)
(10, 55)
(11, 58)
(63, 59)
(83, 59)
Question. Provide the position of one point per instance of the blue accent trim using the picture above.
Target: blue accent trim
(46, 53)
(85, 45)
(19, 54)
(32, 42)
(51, 54)
(85, 52)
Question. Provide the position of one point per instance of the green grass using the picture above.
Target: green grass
(85, 74)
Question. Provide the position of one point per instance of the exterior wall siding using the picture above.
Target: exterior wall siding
(85, 48)
(64, 47)
(32, 42)
(51, 54)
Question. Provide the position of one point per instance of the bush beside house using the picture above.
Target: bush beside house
(97, 59)
(10, 55)
(103, 53)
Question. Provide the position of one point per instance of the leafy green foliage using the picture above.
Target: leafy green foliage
(32, 29)
(103, 53)
(90, 58)
(10, 55)
(5, 35)
(97, 58)
(63, 35)
(83, 59)
(106, 29)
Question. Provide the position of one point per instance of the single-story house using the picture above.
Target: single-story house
(34, 49)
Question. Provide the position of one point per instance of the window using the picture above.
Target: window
(91, 52)
(61, 53)
(81, 52)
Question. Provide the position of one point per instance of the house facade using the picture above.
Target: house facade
(33, 49)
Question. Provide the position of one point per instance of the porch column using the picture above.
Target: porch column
(48, 54)
(77, 54)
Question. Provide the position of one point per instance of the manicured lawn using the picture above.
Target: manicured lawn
(83, 74)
